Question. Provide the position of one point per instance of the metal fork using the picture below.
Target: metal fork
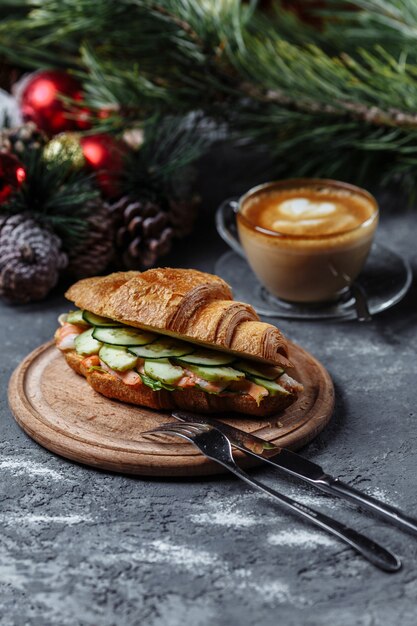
(216, 446)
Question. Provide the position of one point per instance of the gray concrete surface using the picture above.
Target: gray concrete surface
(84, 547)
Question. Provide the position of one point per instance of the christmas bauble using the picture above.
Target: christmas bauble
(65, 148)
(105, 155)
(41, 101)
(12, 175)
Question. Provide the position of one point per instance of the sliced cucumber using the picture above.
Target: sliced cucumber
(76, 317)
(156, 385)
(207, 357)
(216, 374)
(273, 387)
(163, 370)
(270, 372)
(85, 343)
(117, 358)
(123, 336)
(163, 348)
(98, 320)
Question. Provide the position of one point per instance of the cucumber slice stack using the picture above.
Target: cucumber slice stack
(163, 370)
(123, 336)
(210, 358)
(163, 348)
(76, 317)
(98, 320)
(216, 374)
(260, 370)
(117, 357)
(85, 344)
(166, 358)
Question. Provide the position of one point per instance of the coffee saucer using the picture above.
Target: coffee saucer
(384, 281)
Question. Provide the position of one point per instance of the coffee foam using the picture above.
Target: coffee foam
(308, 212)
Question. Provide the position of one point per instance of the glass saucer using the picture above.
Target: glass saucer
(384, 281)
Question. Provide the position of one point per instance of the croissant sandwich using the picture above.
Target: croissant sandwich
(175, 338)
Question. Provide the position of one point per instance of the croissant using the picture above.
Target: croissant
(194, 307)
(183, 303)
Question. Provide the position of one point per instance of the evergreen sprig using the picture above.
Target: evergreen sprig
(171, 145)
(338, 100)
(56, 195)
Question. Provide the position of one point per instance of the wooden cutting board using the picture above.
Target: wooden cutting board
(59, 410)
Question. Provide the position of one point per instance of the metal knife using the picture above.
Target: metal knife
(297, 465)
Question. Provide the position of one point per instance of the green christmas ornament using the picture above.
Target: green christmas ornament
(65, 148)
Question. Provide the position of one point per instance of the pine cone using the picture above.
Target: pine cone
(30, 259)
(19, 140)
(95, 251)
(143, 232)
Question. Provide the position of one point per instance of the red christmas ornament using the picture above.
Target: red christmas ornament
(105, 155)
(12, 176)
(40, 100)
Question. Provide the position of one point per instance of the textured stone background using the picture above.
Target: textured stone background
(83, 547)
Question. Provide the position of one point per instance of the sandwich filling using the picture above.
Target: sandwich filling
(138, 357)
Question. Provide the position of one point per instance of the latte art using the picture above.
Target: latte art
(304, 207)
(320, 212)
(300, 216)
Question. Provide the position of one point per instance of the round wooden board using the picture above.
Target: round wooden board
(59, 410)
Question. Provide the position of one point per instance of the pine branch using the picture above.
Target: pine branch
(372, 86)
(391, 22)
(351, 86)
(56, 195)
(334, 87)
(171, 145)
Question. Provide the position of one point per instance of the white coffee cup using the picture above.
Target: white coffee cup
(305, 239)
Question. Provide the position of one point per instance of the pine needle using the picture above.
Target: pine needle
(56, 195)
(336, 100)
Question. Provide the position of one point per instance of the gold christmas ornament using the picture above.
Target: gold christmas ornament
(65, 148)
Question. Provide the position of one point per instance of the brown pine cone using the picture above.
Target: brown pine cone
(95, 251)
(143, 232)
(19, 140)
(30, 259)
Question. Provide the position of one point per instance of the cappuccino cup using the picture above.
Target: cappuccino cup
(305, 239)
